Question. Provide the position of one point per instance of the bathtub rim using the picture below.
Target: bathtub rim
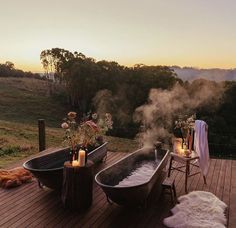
(132, 186)
(54, 151)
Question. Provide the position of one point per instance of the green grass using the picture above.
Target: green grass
(121, 144)
(18, 140)
(22, 102)
(26, 100)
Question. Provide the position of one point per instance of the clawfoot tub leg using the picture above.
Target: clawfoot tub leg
(40, 184)
(108, 200)
(105, 158)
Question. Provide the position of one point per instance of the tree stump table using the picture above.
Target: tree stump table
(77, 188)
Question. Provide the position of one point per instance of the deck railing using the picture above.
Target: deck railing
(222, 145)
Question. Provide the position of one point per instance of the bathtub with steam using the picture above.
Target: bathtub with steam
(116, 180)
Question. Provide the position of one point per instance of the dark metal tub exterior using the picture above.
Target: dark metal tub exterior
(48, 169)
(137, 194)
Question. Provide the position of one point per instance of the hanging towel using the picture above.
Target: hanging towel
(201, 145)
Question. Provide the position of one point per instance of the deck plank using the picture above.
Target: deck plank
(232, 209)
(29, 206)
(153, 217)
(213, 178)
(221, 180)
(227, 186)
(201, 185)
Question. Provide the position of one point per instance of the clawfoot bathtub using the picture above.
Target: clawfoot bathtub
(48, 169)
(130, 180)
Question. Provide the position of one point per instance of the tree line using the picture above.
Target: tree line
(106, 85)
(96, 85)
(8, 69)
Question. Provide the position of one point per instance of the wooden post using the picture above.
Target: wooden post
(41, 128)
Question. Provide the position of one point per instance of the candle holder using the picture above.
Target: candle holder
(72, 155)
(75, 163)
(77, 153)
(86, 155)
(177, 145)
(187, 153)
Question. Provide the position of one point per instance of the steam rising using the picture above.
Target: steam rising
(163, 107)
(104, 101)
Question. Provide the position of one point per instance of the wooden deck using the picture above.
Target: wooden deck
(30, 206)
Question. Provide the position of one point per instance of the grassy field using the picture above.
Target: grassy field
(25, 100)
(22, 102)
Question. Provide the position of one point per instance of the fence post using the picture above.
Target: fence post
(41, 130)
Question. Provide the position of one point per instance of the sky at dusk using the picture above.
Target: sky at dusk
(198, 33)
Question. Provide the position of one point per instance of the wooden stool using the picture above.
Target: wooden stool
(168, 186)
(77, 188)
(185, 162)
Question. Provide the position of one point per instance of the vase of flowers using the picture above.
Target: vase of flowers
(182, 126)
(182, 130)
(86, 134)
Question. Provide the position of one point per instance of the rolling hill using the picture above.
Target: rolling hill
(22, 102)
(218, 75)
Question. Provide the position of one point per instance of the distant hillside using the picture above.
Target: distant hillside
(25, 100)
(190, 74)
(22, 102)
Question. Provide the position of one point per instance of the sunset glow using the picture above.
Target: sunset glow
(184, 32)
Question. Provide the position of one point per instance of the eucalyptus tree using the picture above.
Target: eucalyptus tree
(55, 61)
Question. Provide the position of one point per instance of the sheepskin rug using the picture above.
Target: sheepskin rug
(197, 209)
(14, 177)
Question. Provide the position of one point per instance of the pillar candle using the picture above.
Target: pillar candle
(82, 158)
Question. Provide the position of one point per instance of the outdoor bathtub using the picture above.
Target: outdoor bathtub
(48, 169)
(130, 180)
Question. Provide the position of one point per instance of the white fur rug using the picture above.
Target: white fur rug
(197, 209)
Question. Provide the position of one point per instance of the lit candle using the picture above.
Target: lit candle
(181, 151)
(177, 146)
(75, 163)
(82, 157)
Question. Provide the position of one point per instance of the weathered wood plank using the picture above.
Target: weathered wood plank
(227, 186)
(213, 178)
(221, 180)
(157, 209)
(29, 206)
(232, 209)
(25, 216)
(23, 210)
(201, 185)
